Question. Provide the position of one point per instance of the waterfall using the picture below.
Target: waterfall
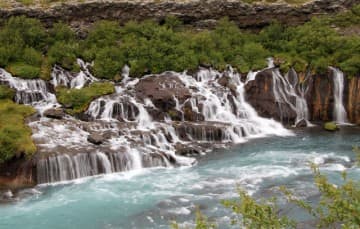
(289, 91)
(62, 77)
(340, 115)
(33, 92)
(137, 130)
(65, 167)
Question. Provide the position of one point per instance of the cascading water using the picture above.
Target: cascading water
(61, 77)
(137, 130)
(289, 91)
(33, 92)
(340, 115)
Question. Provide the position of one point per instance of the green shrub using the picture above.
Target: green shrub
(61, 32)
(79, 99)
(23, 70)
(64, 54)
(32, 57)
(6, 92)
(15, 136)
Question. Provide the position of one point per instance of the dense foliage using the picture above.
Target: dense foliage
(15, 136)
(28, 50)
(77, 100)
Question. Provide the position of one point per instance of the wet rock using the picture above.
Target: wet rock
(7, 195)
(186, 150)
(163, 90)
(96, 138)
(192, 116)
(259, 93)
(175, 115)
(206, 131)
(301, 124)
(223, 81)
(331, 126)
(54, 113)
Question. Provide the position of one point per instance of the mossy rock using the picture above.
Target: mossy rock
(24, 71)
(331, 126)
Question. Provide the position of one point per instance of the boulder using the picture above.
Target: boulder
(55, 113)
(331, 126)
(301, 123)
(163, 90)
(260, 94)
(96, 138)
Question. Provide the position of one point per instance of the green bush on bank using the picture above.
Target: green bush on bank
(149, 47)
(77, 100)
(24, 71)
(15, 136)
(6, 92)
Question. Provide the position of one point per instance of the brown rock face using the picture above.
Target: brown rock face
(322, 99)
(353, 103)
(259, 93)
(17, 173)
(319, 97)
(54, 113)
(198, 13)
(162, 90)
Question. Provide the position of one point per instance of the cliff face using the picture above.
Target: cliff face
(201, 13)
(319, 98)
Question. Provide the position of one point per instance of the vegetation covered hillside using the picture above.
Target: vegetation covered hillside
(29, 50)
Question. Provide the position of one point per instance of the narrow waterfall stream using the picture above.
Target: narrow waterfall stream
(340, 115)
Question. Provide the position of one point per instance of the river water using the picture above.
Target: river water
(152, 198)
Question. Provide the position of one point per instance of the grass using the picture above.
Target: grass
(24, 71)
(77, 100)
(6, 92)
(15, 136)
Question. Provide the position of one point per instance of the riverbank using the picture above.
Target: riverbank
(155, 197)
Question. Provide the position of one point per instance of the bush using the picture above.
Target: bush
(6, 92)
(64, 54)
(15, 136)
(79, 99)
(24, 70)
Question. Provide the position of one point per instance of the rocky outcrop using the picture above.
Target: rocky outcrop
(54, 113)
(163, 90)
(319, 97)
(260, 94)
(200, 13)
(17, 173)
(96, 138)
(353, 100)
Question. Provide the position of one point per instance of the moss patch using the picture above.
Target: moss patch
(330, 126)
(24, 71)
(77, 100)
(15, 136)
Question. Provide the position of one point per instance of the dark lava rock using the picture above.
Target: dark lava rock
(96, 138)
(259, 93)
(54, 113)
(163, 90)
(185, 150)
(301, 124)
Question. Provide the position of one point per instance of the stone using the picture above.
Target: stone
(54, 113)
(301, 123)
(96, 138)
(331, 126)
(163, 90)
